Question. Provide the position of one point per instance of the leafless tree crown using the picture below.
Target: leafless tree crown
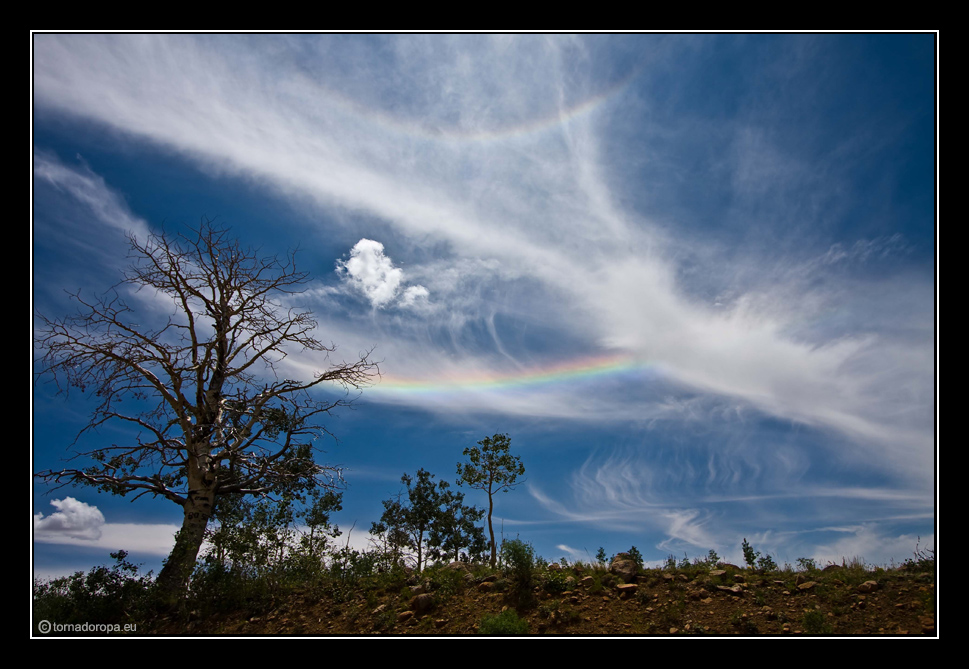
(203, 388)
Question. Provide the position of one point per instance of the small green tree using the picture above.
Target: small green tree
(635, 556)
(750, 555)
(251, 535)
(431, 520)
(491, 469)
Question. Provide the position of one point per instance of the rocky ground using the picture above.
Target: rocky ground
(585, 602)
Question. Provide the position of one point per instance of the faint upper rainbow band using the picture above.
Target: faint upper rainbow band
(556, 374)
(392, 123)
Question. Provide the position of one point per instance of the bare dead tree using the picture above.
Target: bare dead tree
(213, 416)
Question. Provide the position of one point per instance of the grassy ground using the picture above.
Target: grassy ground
(698, 599)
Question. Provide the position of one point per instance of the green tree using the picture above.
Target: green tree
(251, 534)
(430, 520)
(209, 410)
(493, 469)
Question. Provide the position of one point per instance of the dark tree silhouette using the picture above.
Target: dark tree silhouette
(204, 390)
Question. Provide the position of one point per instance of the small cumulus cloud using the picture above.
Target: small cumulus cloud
(73, 519)
(415, 297)
(370, 271)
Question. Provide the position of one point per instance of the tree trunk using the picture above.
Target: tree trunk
(174, 576)
(491, 531)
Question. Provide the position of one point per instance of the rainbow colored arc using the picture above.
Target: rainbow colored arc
(574, 370)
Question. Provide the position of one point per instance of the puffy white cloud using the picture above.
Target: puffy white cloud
(372, 272)
(73, 519)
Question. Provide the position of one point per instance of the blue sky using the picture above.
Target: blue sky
(691, 276)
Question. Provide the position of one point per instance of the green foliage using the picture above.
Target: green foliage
(556, 580)
(816, 622)
(492, 469)
(558, 613)
(712, 558)
(444, 582)
(750, 555)
(258, 535)
(429, 520)
(518, 559)
(506, 623)
(635, 556)
(115, 595)
(766, 563)
(601, 556)
(806, 564)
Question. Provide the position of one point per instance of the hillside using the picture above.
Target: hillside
(581, 600)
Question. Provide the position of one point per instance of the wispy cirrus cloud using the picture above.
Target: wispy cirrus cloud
(554, 198)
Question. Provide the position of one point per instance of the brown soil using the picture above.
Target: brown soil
(682, 604)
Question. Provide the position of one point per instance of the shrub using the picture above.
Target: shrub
(506, 623)
(766, 563)
(518, 559)
(556, 581)
(816, 622)
(114, 595)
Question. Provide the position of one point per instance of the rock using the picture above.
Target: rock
(422, 603)
(627, 590)
(806, 586)
(867, 586)
(624, 567)
(732, 589)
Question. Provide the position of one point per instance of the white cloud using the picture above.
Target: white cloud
(89, 190)
(372, 272)
(73, 519)
(414, 297)
(485, 161)
(141, 538)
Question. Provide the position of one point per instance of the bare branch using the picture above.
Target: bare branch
(209, 415)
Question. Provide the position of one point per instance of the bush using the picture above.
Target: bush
(518, 559)
(115, 595)
(556, 581)
(815, 622)
(506, 623)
